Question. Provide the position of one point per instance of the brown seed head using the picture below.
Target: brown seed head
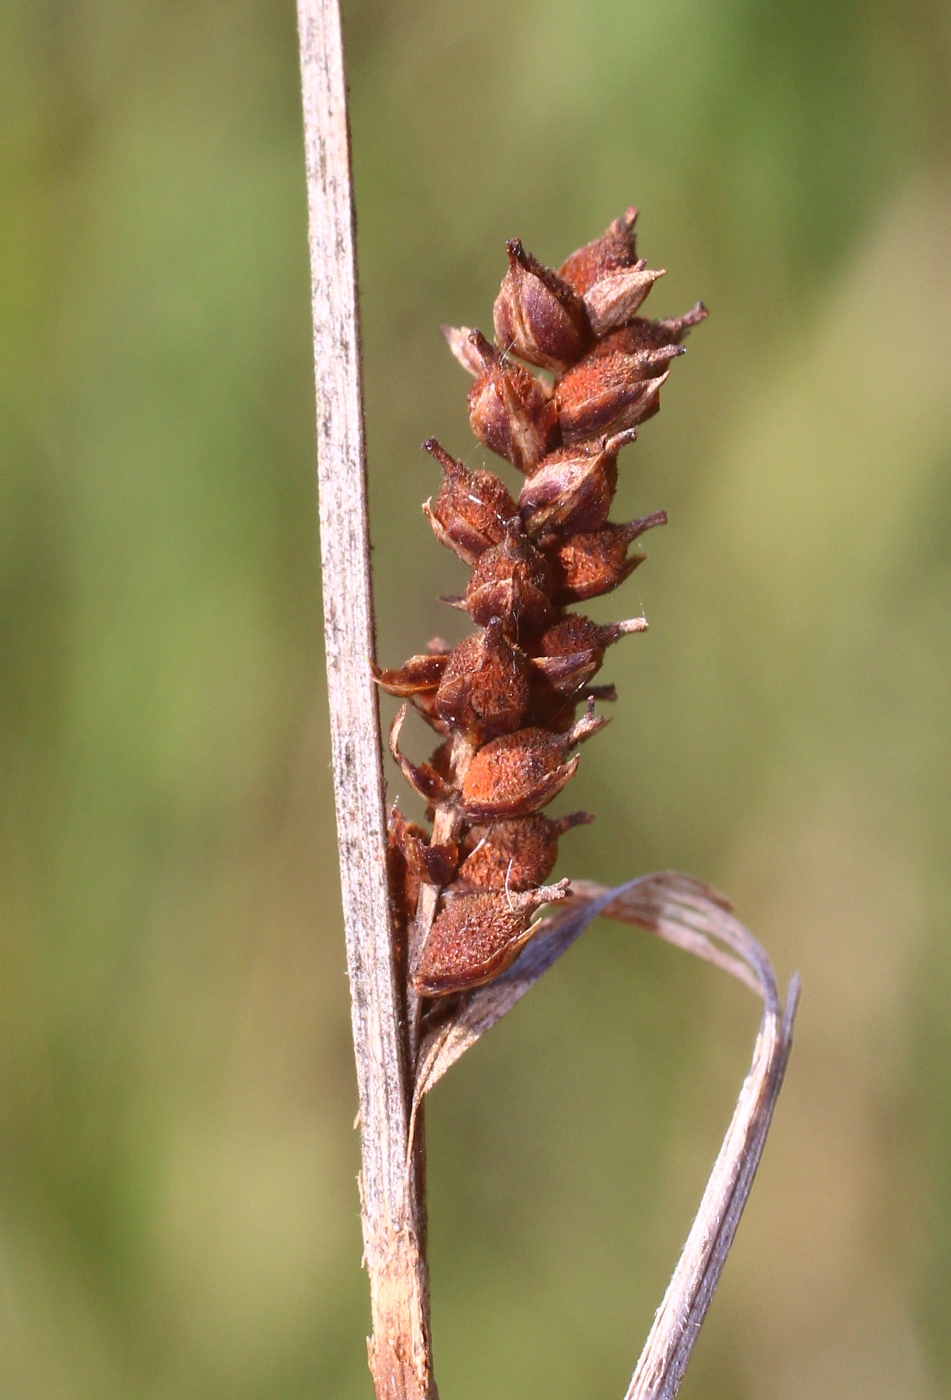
(586, 566)
(615, 249)
(573, 488)
(506, 698)
(484, 691)
(537, 315)
(515, 855)
(608, 393)
(472, 509)
(511, 412)
(476, 936)
(511, 582)
(521, 773)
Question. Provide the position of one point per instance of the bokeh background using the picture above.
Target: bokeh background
(178, 1212)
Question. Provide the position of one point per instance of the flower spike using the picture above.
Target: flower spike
(506, 700)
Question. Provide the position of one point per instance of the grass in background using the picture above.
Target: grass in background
(177, 1210)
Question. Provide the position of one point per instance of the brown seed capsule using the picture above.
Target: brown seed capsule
(610, 393)
(511, 582)
(572, 651)
(615, 249)
(484, 691)
(471, 511)
(510, 411)
(576, 633)
(614, 299)
(433, 864)
(476, 936)
(416, 676)
(586, 566)
(521, 773)
(537, 315)
(515, 855)
(573, 488)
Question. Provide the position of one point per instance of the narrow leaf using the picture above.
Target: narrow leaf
(700, 920)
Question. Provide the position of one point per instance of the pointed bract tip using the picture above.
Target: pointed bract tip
(448, 463)
(459, 340)
(563, 824)
(629, 626)
(619, 440)
(550, 894)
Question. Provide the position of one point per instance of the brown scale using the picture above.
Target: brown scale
(615, 250)
(573, 488)
(512, 582)
(470, 513)
(505, 700)
(484, 690)
(538, 316)
(510, 411)
(477, 935)
(586, 566)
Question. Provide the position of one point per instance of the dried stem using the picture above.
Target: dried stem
(393, 1216)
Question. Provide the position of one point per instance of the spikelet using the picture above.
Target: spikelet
(505, 700)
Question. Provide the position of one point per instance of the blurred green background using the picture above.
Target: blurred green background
(178, 1213)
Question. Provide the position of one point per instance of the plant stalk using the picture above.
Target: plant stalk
(392, 1209)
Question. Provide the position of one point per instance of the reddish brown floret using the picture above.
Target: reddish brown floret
(522, 772)
(587, 566)
(472, 509)
(610, 393)
(537, 315)
(515, 855)
(577, 633)
(614, 250)
(476, 936)
(485, 689)
(511, 582)
(510, 411)
(573, 488)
